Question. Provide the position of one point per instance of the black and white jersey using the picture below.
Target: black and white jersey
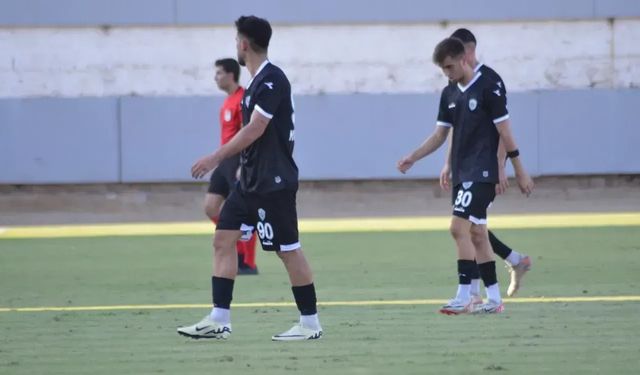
(267, 164)
(472, 111)
(494, 76)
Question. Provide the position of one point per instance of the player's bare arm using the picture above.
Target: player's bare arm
(431, 144)
(506, 138)
(245, 137)
(445, 173)
(503, 184)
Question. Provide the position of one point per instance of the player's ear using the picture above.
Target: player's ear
(244, 44)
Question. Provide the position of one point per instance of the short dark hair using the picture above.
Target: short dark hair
(464, 35)
(450, 47)
(257, 30)
(230, 66)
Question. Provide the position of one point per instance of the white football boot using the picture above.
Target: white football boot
(206, 329)
(456, 307)
(298, 333)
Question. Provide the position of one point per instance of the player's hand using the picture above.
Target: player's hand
(204, 165)
(445, 181)
(503, 183)
(525, 183)
(404, 164)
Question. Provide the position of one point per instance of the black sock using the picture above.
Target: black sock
(465, 271)
(499, 247)
(488, 273)
(305, 299)
(222, 289)
(475, 272)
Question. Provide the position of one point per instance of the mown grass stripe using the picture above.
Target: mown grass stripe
(337, 225)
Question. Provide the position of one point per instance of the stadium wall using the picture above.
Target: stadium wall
(122, 91)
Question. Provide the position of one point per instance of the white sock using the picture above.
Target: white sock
(310, 321)
(464, 293)
(514, 258)
(219, 315)
(493, 293)
(475, 287)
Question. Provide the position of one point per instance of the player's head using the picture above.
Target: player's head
(227, 73)
(253, 36)
(450, 57)
(469, 41)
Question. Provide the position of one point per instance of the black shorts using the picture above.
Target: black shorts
(273, 216)
(223, 179)
(471, 199)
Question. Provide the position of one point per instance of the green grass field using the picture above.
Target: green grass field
(568, 338)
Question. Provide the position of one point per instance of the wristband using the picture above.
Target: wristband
(513, 154)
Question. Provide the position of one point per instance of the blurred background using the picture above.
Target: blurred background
(105, 105)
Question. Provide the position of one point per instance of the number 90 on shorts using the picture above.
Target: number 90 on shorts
(265, 231)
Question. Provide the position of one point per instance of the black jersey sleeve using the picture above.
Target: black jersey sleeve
(445, 117)
(496, 101)
(501, 86)
(268, 96)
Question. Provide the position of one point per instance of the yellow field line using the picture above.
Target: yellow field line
(373, 224)
(413, 302)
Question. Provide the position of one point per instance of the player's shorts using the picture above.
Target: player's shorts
(272, 215)
(471, 199)
(223, 179)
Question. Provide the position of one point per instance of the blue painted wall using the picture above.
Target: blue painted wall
(360, 136)
(59, 141)
(212, 12)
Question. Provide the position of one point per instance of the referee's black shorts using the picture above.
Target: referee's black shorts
(223, 179)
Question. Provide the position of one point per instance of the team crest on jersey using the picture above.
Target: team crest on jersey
(473, 104)
(262, 214)
(227, 115)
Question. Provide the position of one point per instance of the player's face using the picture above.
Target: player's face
(242, 45)
(222, 78)
(453, 68)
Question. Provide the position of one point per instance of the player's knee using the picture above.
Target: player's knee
(479, 235)
(458, 231)
(222, 243)
(211, 211)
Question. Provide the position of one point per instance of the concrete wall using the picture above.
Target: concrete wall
(59, 141)
(355, 136)
(177, 61)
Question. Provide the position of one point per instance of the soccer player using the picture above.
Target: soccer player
(476, 110)
(223, 178)
(517, 264)
(265, 199)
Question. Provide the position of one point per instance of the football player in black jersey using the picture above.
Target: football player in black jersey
(475, 108)
(265, 198)
(518, 264)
